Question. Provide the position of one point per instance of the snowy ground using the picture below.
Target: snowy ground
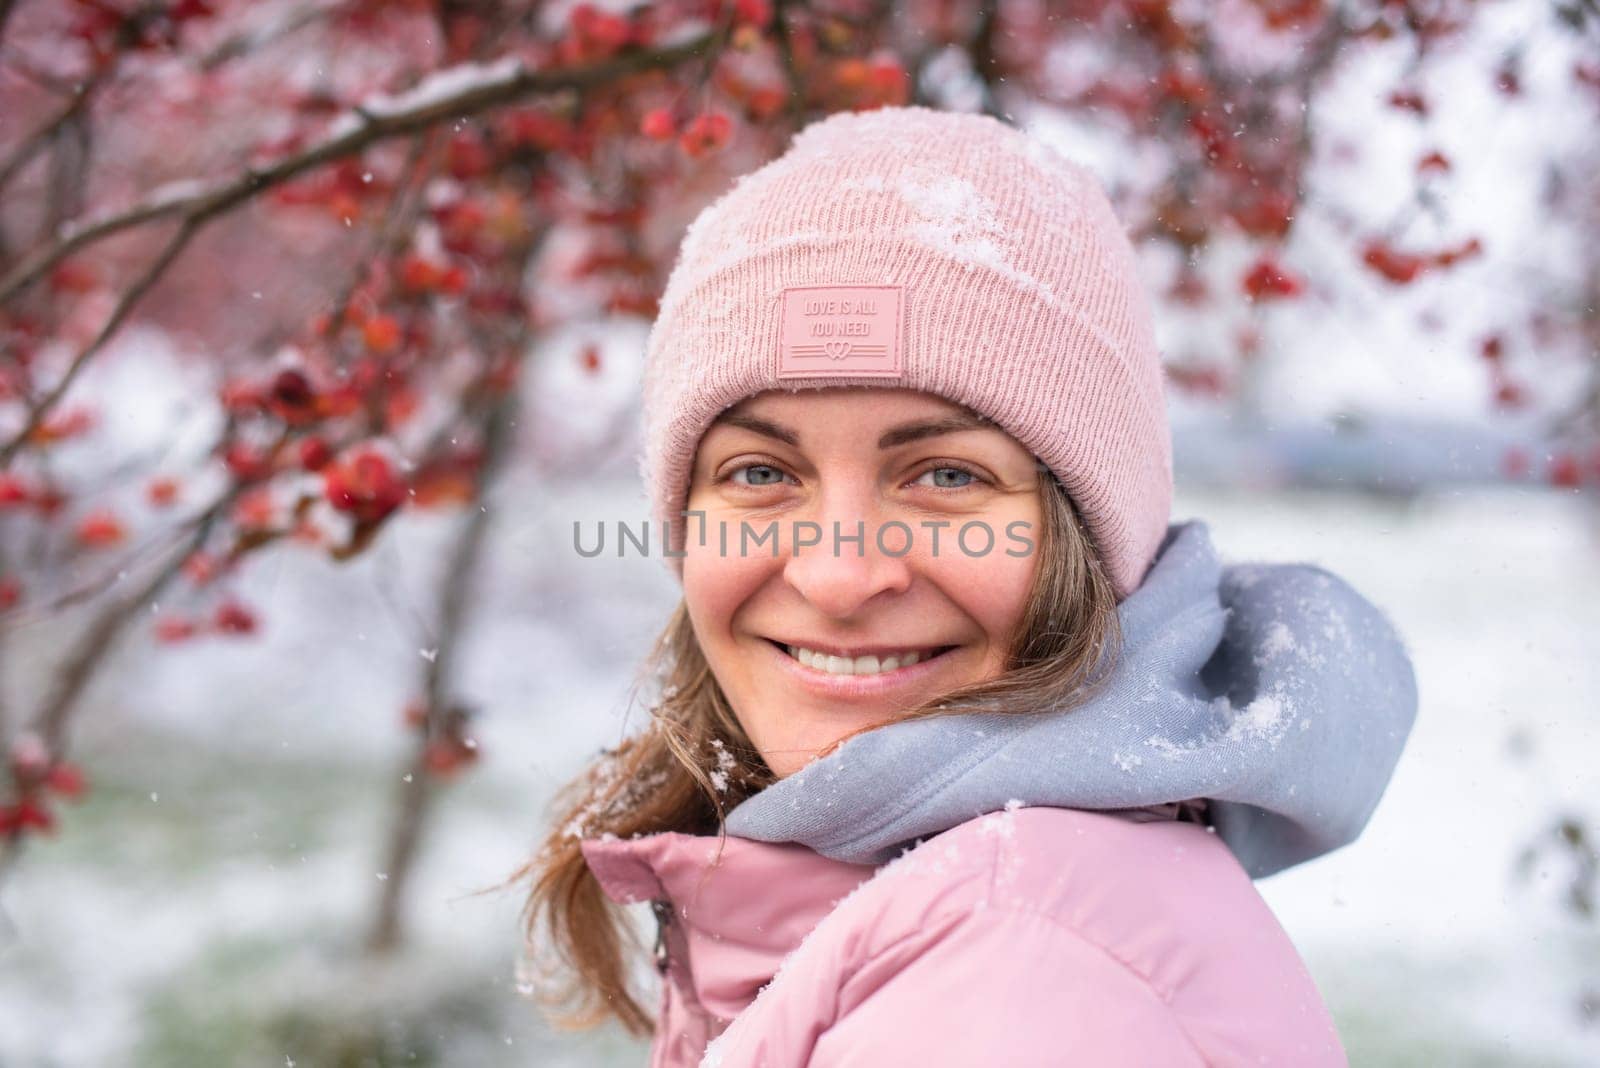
(197, 907)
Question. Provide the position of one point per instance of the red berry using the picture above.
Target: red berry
(174, 629)
(709, 132)
(30, 813)
(469, 157)
(49, 500)
(444, 757)
(71, 276)
(291, 396)
(417, 273)
(13, 490)
(162, 491)
(1433, 162)
(1398, 267)
(596, 34)
(201, 567)
(453, 281)
(66, 780)
(242, 398)
(365, 484)
(887, 81)
(1408, 100)
(255, 509)
(658, 124)
(415, 714)
(99, 529)
(1266, 280)
(231, 617)
(1510, 395)
(247, 462)
(381, 334)
(755, 13)
(1565, 471)
(314, 453)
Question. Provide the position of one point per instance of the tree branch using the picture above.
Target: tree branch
(417, 110)
(367, 124)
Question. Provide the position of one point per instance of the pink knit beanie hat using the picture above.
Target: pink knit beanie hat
(928, 250)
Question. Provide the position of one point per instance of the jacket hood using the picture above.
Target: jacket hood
(1275, 691)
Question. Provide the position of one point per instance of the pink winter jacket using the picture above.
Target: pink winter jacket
(1031, 936)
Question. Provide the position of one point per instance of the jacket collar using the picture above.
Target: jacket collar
(742, 905)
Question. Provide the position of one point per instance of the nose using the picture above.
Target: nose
(840, 577)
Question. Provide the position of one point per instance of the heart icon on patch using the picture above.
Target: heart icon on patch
(836, 350)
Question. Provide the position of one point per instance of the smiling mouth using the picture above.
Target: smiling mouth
(860, 665)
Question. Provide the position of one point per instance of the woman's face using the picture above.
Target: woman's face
(948, 509)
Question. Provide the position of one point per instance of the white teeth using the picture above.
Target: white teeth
(861, 665)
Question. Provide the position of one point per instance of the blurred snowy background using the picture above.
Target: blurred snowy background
(204, 902)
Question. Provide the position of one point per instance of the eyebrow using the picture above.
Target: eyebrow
(900, 435)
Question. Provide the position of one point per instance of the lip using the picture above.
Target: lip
(856, 686)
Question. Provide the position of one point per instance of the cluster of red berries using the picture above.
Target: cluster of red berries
(35, 776)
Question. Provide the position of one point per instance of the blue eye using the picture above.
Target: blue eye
(959, 471)
(756, 467)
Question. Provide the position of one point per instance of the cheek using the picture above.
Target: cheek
(992, 588)
(715, 591)
(716, 586)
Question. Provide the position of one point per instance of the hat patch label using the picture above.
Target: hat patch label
(848, 331)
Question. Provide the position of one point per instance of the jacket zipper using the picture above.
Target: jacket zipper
(663, 912)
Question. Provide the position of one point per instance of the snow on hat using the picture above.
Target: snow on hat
(930, 250)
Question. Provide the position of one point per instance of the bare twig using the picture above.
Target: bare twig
(981, 56)
(157, 268)
(35, 139)
(92, 587)
(396, 226)
(98, 639)
(247, 41)
(791, 72)
(96, 642)
(69, 173)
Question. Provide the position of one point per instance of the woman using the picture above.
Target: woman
(963, 753)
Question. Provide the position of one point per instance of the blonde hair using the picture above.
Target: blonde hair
(693, 762)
